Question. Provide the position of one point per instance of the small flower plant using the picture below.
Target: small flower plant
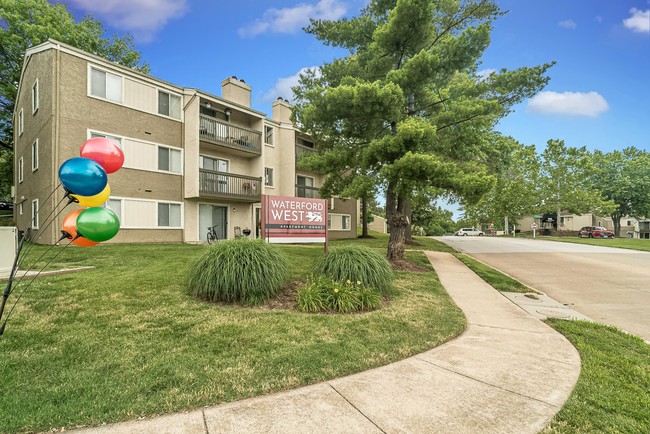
(324, 294)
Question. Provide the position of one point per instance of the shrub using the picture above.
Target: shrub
(323, 293)
(357, 264)
(246, 271)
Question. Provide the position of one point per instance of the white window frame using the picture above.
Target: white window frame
(119, 216)
(162, 202)
(271, 143)
(21, 170)
(169, 148)
(105, 71)
(95, 133)
(266, 177)
(345, 217)
(34, 150)
(170, 95)
(34, 220)
(35, 97)
(123, 225)
(21, 122)
(340, 218)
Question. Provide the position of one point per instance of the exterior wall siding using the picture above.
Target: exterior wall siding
(68, 114)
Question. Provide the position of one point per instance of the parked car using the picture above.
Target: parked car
(595, 232)
(468, 231)
(6, 204)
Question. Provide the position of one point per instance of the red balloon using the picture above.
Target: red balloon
(70, 226)
(105, 152)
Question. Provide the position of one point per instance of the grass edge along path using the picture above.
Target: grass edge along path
(125, 341)
(613, 391)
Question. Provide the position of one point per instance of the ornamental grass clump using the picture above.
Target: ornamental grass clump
(357, 264)
(245, 271)
(324, 294)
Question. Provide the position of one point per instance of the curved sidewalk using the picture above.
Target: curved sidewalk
(507, 373)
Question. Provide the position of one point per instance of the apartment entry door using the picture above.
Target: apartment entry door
(213, 215)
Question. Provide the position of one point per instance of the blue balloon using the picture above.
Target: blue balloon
(83, 176)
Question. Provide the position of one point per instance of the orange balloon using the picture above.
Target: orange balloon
(70, 226)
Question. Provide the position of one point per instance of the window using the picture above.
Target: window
(115, 205)
(629, 223)
(21, 122)
(305, 187)
(20, 208)
(35, 97)
(268, 176)
(117, 140)
(35, 156)
(345, 222)
(105, 85)
(169, 105)
(169, 160)
(304, 142)
(20, 170)
(268, 135)
(35, 214)
(169, 215)
(214, 164)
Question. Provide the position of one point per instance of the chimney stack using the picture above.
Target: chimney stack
(236, 91)
(281, 111)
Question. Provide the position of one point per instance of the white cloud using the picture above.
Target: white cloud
(639, 21)
(142, 18)
(283, 86)
(290, 20)
(483, 74)
(568, 24)
(568, 103)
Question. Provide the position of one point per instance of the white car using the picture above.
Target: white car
(469, 231)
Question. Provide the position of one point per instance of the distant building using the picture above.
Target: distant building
(192, 159)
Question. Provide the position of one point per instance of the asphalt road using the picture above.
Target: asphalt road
(608, 285)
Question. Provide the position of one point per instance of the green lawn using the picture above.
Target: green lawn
(498, 280)
(623, 243)
(613, 391)
(124, 340)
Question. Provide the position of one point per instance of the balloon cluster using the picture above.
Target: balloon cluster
(85, 180)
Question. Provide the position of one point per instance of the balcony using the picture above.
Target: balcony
(302, 150)
(244, 141)
(308, 192)
(222, 185)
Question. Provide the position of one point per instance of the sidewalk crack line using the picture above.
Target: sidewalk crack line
(489, 384)
(357, 409)
(205, 422)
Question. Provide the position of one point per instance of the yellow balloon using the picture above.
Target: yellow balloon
(96, 200)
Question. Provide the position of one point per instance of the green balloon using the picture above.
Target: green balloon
(98, 224)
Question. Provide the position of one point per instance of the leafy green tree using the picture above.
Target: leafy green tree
(566, 182)
(431, 217)
(406, 104)
(515, 192)
(624, 178)
(25, 23)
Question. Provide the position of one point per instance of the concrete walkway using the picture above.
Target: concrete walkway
(508, 373)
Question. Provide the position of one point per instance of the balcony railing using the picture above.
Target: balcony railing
(309, 192)
(302, 150)
(224, 185)
(230, 136)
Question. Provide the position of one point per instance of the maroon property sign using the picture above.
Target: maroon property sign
(294, 219)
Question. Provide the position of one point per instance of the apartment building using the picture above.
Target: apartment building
(192, 159)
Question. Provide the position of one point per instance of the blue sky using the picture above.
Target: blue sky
(598, 96)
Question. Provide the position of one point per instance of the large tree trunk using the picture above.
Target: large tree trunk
(408, 211)
(364, 217)
(505, 226)
(398, 223)
(616, 219)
